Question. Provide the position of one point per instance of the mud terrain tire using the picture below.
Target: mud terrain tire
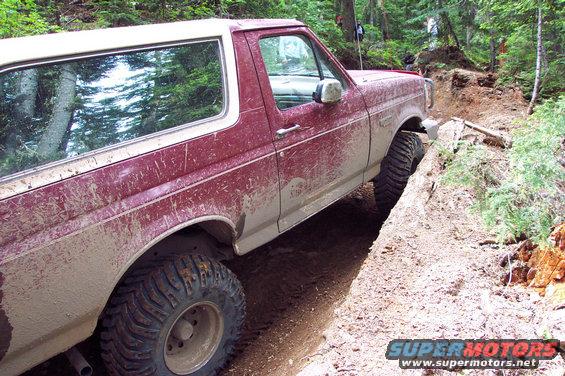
(404, 154)
(144, 314)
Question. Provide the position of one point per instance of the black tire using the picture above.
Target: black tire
(406, 151)
(139, 319)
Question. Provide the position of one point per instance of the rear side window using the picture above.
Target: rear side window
(61, 110)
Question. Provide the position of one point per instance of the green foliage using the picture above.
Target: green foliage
(514, 24)
(470, 167)
(475, 23)
(521, 54)
(388, 55)
(112, 13)
(530, 198)
(21, 17)
(478, 56)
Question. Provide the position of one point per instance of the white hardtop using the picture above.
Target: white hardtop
(41, 47)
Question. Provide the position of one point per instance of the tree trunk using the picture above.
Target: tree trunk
(348, 13)
(384, 24)
(451, 30)
(24, 108)
(447, 22)
(468, 15)
(492, 47)
(535, 92)
(27, 91)
(371, 12)
(62, 112)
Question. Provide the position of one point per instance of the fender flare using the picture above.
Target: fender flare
(126, 267)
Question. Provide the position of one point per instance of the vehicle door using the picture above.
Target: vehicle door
(322, 149)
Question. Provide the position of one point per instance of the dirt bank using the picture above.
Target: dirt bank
(428, 276)
(475, 96)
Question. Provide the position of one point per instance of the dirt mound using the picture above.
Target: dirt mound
(475, 96)
(449, 56)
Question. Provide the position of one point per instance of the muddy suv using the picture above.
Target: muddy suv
(134, 160)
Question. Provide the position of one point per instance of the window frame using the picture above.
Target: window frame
(230, 105)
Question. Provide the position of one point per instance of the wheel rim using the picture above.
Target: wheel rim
(193, 338)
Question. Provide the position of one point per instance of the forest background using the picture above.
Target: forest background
(498, 35)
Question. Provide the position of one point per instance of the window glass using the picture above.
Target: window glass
(61, 110)
(328, 69)
(292, 69)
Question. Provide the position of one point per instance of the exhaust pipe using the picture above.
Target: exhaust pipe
(80, 364)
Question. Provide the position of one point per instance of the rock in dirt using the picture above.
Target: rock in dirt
(487, 80)
(461, 78)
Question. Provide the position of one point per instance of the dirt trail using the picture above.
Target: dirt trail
(295, 283)
(428, 276)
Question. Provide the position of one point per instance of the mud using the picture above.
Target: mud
(449, 56)
(5, 326)
(292, 284)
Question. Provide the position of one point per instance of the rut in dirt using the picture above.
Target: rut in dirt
(294, 283)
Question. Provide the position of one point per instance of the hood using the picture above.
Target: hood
(365, 76)
(384, 89)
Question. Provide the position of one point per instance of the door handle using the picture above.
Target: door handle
(281, 133)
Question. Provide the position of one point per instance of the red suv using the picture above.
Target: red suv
(134, 160)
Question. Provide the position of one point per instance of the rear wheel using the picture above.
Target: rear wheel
(406, 151)
(180, 316)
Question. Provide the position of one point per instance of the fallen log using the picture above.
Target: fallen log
(504, 140)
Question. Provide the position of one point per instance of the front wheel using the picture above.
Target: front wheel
(180, 316)
(404, 154)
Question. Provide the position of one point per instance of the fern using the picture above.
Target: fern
(530, 198)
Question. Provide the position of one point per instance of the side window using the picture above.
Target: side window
(292, 69)
(61, 110)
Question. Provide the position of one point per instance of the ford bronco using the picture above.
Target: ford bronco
(134, 160)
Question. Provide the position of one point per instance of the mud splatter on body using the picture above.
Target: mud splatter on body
(5, 326)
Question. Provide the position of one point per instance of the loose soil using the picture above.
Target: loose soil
(433, 272)
(459, 92)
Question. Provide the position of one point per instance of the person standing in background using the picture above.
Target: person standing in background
(339, 20)
(359, 32)
(432, 27)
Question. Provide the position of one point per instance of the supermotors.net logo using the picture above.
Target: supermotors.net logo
(482, 354)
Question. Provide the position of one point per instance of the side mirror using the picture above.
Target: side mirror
(328, 91)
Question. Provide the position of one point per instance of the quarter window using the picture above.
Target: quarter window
(56, 111)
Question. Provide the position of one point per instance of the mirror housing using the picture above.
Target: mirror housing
(328, 91)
